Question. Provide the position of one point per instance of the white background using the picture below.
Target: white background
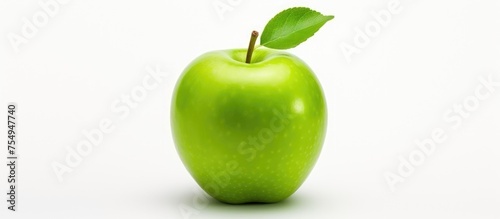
(394, 91)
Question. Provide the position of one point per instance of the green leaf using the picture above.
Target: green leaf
(291, 27)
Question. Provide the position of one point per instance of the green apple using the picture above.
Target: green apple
(248, 132)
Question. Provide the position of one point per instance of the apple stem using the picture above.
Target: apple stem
(251, 46)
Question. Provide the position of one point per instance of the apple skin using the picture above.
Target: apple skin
(248, 133)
